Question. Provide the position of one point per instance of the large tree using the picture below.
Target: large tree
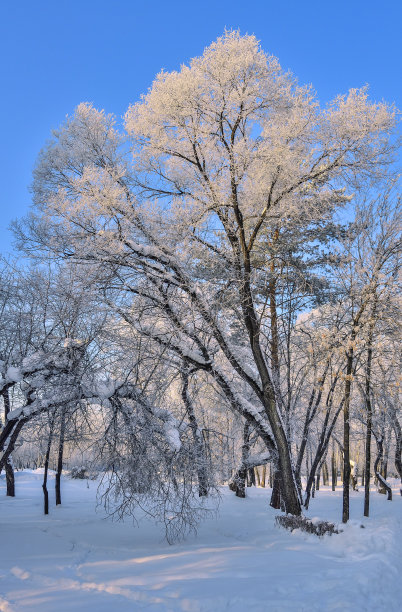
(218, 158)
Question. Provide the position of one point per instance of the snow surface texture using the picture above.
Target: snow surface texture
(74, 559)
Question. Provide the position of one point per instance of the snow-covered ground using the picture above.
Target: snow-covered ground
(74, 559)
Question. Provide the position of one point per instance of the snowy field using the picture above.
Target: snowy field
(74, 559)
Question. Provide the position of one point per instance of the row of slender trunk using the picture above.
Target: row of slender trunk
(11, 441)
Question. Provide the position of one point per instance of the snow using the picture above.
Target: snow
(104, 389)
(74, 559)
(13, 374)
(33, 361)
(14, 414)
(172, 436)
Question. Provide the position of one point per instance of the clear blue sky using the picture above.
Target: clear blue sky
(55, 54)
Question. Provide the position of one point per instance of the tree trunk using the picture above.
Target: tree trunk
(313, 483)
(325, 475)
(353, 477)
(199, 442)
(10, 479)
(369, 420)
(238, 484)
(378, 459)
(398, 449)
(346, 434)
(346, 413)
(60, 458)
(44, 485)
(312, 408)
(276, 492)
(324, 440)
(334, 468)
(384, 485)
(268, 395)
(9, 436)
(250, 477)
(384, 467)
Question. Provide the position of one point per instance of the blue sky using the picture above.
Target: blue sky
(55, 54)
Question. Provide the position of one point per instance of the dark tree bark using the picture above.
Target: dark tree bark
(44, 484)
(238, 482)
(267, 393)
(9, 436)
(346, 441)
(380, 452)
(334, 469)
(346, 427)
(383, 485)
(307, 465)
(10, 479)
(325, 475)
(60, 457)
(251, 477)
(276, 492)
